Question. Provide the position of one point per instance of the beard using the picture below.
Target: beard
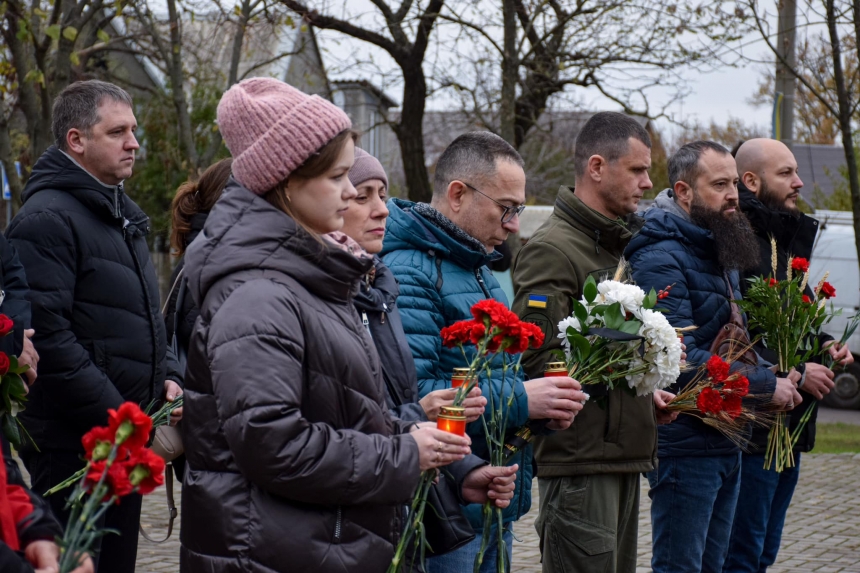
(772, 201)
(737, 247)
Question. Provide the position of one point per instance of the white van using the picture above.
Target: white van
(834, 251)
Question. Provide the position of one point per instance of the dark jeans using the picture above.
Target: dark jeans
(117, 553)
(463, 559)
(692, 507)
(762, 505)
(589, 523)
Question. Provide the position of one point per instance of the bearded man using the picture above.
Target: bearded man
(768, 190)
(696, 239)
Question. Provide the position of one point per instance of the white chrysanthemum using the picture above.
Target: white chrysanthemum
(572, 322)
(662, 353)
(630, 297)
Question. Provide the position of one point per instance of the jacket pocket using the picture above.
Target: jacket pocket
(614, 403)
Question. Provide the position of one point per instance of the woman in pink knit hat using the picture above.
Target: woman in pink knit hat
(293, 461)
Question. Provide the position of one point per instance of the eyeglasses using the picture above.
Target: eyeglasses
(508, 211)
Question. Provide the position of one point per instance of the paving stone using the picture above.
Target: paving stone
(822, 531)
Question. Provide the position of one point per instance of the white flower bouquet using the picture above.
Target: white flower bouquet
(615, 335)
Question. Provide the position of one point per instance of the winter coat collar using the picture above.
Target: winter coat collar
(55, 170)
(380, 294)
(420, 226)
(793, 232)
(245, 232)
(663, 224)
(607, 233)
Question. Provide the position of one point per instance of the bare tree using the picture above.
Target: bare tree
(405, 37)
(619, 48)
(838, 94)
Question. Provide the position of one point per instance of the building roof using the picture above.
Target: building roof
(384, 100)
(819, 166)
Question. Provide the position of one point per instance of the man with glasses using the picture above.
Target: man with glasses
(588, 475)
(439, 253)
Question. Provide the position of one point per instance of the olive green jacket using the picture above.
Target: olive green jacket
(575, 242)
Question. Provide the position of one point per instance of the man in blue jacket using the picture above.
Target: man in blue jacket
(696, 239)
(439, 253)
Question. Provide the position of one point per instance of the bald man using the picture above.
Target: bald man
(768, 190)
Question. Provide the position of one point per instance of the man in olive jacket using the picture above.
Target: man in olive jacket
(588, 475)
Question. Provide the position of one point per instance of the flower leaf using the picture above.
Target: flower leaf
(589, 290)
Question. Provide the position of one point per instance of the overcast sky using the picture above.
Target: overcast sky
(716, 95)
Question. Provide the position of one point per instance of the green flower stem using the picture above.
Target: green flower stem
(413, 520)
(485, 536)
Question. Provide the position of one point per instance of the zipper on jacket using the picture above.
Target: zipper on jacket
(366, 323)
(481, 282)
(385, 310)
(338, 524)
(129, 241)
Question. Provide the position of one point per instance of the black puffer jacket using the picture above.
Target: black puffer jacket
(94, 297)
(293, 464)
(795, 235)
(13, 284)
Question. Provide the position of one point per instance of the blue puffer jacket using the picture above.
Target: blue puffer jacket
(670, 250)
(442, 272)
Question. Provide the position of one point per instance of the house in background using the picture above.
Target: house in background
(820, 167)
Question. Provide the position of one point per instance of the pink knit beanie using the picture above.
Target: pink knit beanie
(365, 168)
(272, 128)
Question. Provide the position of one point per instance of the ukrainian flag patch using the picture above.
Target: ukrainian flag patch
(537, 301)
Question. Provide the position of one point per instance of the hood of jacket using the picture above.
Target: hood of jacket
(612, 234)
(420, 226)
(244, 231)
(664, 222)
(795, 232)
(57, 171)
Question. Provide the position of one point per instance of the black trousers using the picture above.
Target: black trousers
(117, 553)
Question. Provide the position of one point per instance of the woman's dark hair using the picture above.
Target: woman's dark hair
(316, 165)
(195, 197)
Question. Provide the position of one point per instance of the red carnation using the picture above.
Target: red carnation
(800, 264)
(828, 290)
(772, 282)
(718, 368)
(117, 479)
(806, 299)
(477, 332)
(732, 406)
(709, 401)
(737, 386)
(145, 470)
(458, 333)
(129, 425)
(4, 364)
(6, 325)
(97, 443)
(495, 313)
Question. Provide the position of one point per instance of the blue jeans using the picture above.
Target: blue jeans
(462, 560)
(692, 506)
(762, 505)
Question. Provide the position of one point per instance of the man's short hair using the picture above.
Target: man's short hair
(77, 107)
(606, 134)
(472, 158)
(684, 163)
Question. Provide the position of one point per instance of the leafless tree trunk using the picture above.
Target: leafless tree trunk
(409, 55)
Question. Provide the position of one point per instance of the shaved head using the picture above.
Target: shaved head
(767, 167)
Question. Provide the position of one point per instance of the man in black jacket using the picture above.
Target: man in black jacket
(768, 190)
(94, 296)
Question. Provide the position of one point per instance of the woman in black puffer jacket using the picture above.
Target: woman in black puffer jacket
(470, 480)
(293, 461)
